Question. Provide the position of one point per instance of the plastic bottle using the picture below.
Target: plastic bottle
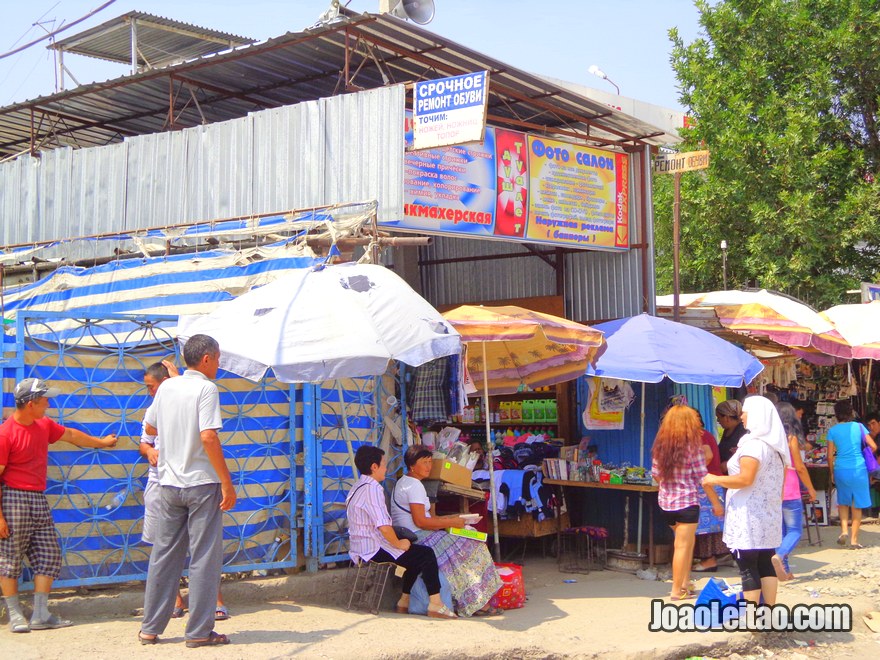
(269, 556)
(272, 550)
(118, 500)
(478, 412)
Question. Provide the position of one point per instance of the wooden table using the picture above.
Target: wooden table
(463, 493)
(638, 488)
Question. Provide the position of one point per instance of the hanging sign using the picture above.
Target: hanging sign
(450, 110)
(674, 163)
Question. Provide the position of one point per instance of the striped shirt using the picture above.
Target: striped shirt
(367, 512)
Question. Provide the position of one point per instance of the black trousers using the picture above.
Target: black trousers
(754, 565)
(418, 560)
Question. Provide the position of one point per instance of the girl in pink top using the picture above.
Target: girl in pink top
(792, 505)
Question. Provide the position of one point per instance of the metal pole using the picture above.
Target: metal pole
(676, 237)
(134, 46)
(724, 263)
(642, 463)
(491, 447)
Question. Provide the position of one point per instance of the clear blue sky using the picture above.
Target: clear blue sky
(626, 38)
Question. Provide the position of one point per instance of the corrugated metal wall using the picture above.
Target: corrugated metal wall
(340, 149)
(599, 285)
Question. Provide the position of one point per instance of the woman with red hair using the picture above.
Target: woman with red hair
(679, 467)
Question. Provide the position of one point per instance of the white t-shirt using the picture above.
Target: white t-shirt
(152, 471)
(182, 409)
(753, 515)
(407, 491)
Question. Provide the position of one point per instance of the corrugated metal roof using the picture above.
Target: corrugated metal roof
(160, 41)
(358, 51)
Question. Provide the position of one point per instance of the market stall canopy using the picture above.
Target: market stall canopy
(648, 349)
(324, 323)
(763, 314)
(859, 325)
(523, 347)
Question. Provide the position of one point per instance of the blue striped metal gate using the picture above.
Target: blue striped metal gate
(97, 495)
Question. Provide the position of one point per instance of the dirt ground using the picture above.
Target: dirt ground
(601, 614)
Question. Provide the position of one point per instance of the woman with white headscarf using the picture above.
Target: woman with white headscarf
(753, 507)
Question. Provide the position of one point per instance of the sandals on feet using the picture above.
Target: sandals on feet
(841, 540)
(214, 639)
(51, 623)
(18, 624)
(857, 546)
(684, 595)
(442, 612)
(221, 613)
(489, 611)
(781, 574)
(177, 613)
(146, 641)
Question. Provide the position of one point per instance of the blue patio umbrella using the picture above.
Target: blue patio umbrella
(646, 349)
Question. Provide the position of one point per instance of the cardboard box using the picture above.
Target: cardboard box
(451, 473)
(528, 527)
(662, 552)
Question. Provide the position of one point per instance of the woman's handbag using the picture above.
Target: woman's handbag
(870, 461)
(404, 533)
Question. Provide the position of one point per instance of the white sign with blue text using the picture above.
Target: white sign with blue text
(450, 110)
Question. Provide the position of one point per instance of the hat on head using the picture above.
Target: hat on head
(31, 389)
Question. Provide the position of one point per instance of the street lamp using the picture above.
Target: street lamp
(724, 263)
(596, 71)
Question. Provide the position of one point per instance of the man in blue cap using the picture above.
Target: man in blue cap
(26, 526)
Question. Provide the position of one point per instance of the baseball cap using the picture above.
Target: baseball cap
(33, 388)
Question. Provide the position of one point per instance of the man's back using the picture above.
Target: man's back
(182, 409)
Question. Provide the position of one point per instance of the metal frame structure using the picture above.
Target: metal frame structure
(352, 53)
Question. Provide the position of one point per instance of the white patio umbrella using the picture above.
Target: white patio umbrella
(324, 323)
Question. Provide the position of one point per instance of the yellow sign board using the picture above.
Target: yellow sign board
(674, 163)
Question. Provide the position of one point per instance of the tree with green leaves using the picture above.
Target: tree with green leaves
(784, 94)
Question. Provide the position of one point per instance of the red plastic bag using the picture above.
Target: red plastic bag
(512, 594)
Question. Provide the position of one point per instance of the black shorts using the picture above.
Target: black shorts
(688, 515)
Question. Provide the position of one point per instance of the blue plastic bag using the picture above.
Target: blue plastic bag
(418, 597)
(718, 589)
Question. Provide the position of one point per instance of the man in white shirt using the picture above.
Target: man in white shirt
(195, 488)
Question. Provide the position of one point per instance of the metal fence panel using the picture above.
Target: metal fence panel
(97, 495)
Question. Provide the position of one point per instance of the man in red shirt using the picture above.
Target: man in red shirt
(26, 526)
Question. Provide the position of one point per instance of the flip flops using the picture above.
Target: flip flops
(684, 595)
(841, 540)
(214, 639)
(781, 574)
(177, 613)
(221, 613)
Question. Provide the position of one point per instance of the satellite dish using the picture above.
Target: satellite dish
(418, 11)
